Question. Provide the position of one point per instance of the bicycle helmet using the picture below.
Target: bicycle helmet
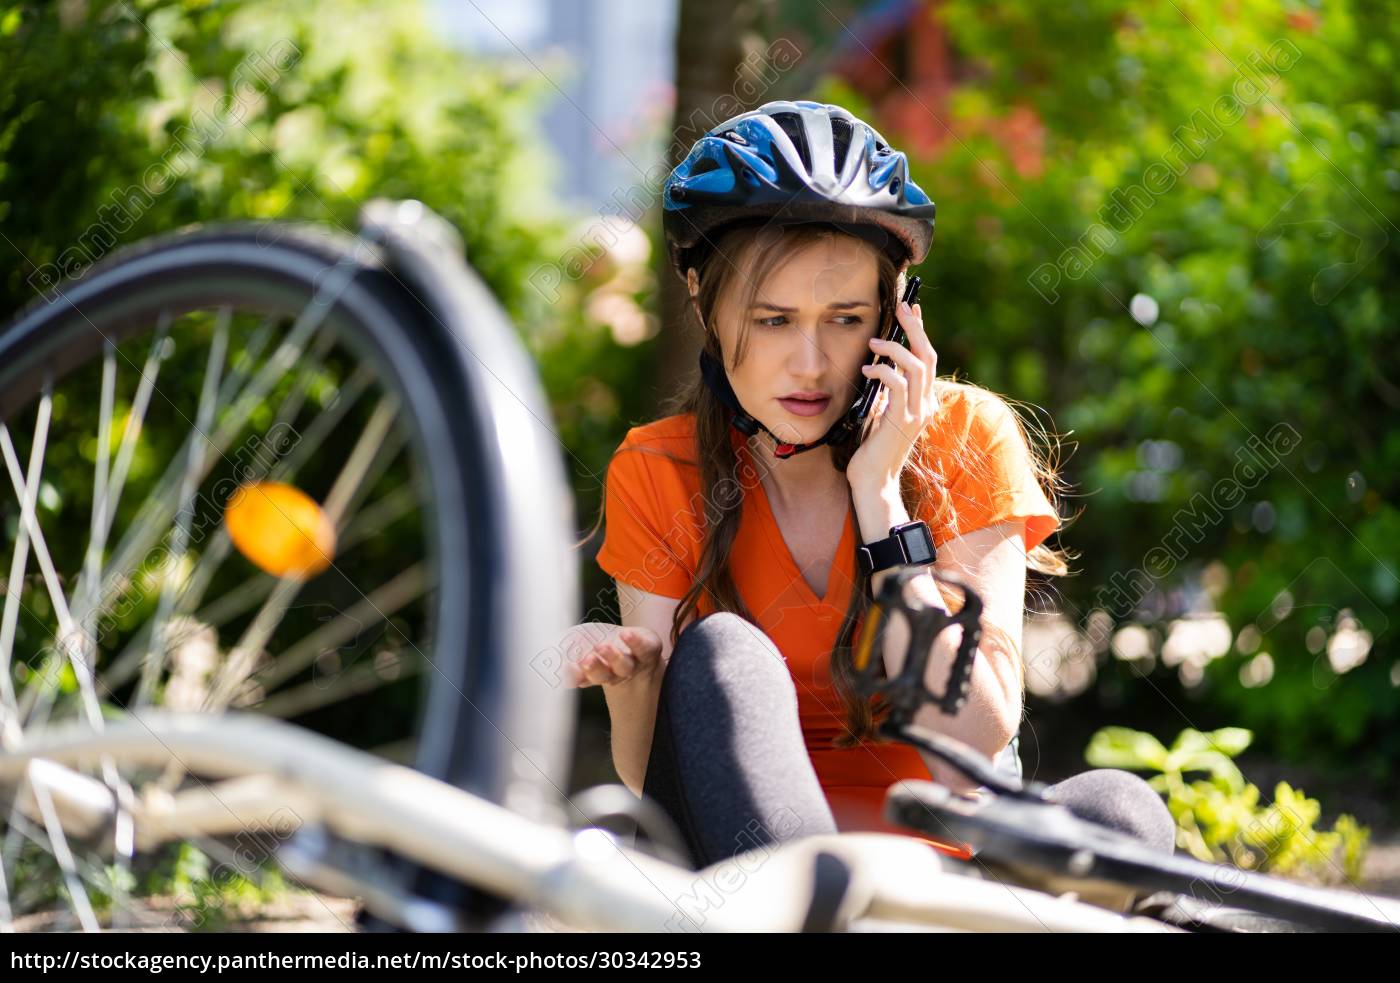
(792, 163)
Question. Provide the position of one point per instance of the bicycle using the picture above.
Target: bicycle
(475, 834)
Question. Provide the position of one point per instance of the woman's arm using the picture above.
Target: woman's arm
(632, 704)
(992, 561)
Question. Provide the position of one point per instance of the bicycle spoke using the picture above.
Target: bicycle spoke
(383, 513)
(326, 421)
(58, 843)
(135, 420)
(10, 733)
(92, 560)
(377, 606)
(370, 445)
(242, 659)
(357, 679)
(68, 636)
(86, 873)
(204, 418)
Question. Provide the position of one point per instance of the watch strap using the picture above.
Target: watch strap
(906, 544)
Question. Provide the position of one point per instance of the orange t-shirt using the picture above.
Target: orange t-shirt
(655, 530)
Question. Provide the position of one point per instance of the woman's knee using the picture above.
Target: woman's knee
(725, 649)
(1120, 800)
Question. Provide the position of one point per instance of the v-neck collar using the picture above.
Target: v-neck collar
(780, 546)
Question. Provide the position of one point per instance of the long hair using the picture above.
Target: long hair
(758, 249)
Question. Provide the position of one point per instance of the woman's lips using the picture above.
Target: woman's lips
(805, 407)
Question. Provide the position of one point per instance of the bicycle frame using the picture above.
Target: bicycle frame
(585, 879)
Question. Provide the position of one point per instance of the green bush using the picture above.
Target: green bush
(1219, 818)
(1248, 301)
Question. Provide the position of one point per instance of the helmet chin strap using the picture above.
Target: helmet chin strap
(718, 383)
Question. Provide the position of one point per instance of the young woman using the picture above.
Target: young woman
(736, 525)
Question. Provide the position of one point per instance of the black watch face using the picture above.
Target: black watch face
(917, 545)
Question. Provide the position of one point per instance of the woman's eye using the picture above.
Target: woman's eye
(778, 320)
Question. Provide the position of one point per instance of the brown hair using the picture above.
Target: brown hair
(759, 249)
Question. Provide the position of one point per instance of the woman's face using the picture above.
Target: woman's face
(808, 335)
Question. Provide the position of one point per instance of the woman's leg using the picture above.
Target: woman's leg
(729, 766)
(1121, 800)
(728, 762)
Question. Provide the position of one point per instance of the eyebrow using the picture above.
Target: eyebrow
(840, 305)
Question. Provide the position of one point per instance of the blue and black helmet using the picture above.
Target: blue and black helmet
(795, 162)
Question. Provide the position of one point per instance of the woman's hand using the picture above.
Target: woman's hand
(619, 655)
(905, 407)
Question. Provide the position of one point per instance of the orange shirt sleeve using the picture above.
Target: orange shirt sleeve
(637, 547)
(994, 479)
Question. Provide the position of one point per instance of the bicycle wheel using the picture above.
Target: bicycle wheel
(244, 468)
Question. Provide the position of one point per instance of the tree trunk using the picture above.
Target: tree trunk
(720, 72)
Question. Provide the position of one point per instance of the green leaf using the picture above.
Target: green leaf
(1219, 766)
(1230, 740)
(1123, 747)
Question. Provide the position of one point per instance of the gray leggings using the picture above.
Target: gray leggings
(729, 766)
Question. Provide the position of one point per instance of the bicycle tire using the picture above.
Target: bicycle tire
(480, 509)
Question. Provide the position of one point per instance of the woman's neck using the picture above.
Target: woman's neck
(801, 481)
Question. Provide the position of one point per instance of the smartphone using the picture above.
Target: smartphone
(860, 410)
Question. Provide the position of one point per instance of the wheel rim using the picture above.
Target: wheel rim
(150, 601)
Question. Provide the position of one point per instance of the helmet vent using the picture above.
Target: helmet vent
(840, 137)
(792, 126)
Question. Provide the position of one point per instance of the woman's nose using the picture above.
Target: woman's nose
(807, 357)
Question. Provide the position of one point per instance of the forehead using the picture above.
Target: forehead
(835, 269)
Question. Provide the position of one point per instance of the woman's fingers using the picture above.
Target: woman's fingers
(607, 662)
(588, 670)
(603, 674)
(621, 661)
(919, 345)
(594, 669)
(920, 349)
(919, 361)
(895, 382)
(912, 321)
(616, 659)
(644, 645)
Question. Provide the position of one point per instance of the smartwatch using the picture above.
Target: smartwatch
(909, 544)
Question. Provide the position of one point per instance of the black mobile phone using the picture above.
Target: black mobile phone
(860, 410)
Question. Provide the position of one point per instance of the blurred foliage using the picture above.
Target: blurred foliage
(255, 110)
(1254, 285)
(297, 111)
(177, 879)
(1219, 819)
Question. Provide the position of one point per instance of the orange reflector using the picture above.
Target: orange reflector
(280, 529)
(865, 647)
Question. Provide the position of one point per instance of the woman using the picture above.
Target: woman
(735, 525)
